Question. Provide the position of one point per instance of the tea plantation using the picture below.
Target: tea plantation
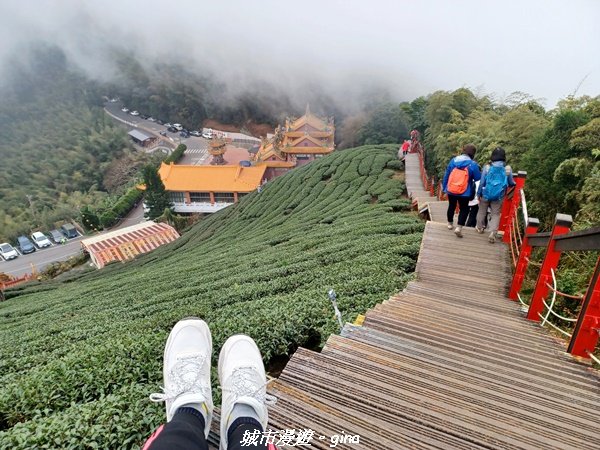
(80, 356)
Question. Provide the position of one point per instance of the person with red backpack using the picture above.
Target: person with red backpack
(459, 184)
(495, 180)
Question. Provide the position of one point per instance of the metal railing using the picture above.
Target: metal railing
(583, 338)
(520, 232)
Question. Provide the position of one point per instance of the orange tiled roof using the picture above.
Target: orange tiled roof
(279, 164)
(308, 137)
(310, 119)
(226, 178)
(307, 150)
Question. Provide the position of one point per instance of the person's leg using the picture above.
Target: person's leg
(496, 208)
(452, 200)
(463, 204)
(185, 431)
(472, 218)
(482, 214)
(187, 390)
(244, 384)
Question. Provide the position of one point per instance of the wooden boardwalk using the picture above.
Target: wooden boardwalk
(449, 363)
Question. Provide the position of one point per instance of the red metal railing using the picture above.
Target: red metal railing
(586, 332)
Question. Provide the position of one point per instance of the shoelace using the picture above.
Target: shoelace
(180, 384)
(243, 385)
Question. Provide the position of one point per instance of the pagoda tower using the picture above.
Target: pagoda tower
(296, 143)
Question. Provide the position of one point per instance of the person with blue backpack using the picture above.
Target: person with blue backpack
(459, 184)
(495, 180)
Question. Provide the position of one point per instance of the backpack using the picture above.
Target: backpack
(495, 183)
(458, 181)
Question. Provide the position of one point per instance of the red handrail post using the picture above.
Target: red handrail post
(585, 334)
(523, 261)
(431, 187)
(510, 206)
(562, 225)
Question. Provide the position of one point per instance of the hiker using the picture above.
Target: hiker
(459, 183)
(473, 207)
(405, 147)
(188, 395)
(496, 178)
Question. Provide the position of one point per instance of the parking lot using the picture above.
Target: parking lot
(39, 259)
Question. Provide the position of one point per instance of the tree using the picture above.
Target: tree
(388, 124)
(156, 198)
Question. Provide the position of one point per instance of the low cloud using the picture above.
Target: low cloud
(346, 48)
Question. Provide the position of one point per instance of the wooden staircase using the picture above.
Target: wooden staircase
(449, 363)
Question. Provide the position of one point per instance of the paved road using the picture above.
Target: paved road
(197, 143)
(45, 256)
(41, 258)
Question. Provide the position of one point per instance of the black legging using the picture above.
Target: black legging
(472, 219)
(186, 432)
(463, 203)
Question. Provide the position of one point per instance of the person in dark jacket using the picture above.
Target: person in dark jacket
(463, 161)
(495, 204)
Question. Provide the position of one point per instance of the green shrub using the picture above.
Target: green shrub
(176, 155)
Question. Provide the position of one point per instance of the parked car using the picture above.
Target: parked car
(124, 109)
(168, 124)
(57, 236)
(178, 126)
(184, 134)
(41, 240)
(172, 129)
(151, 119)
(143, 116)
(69, 231)
(195, 133)
(25, 245)
(160, 122)
(163, 133)
(8, 251)
(207, 134)
(134, 113)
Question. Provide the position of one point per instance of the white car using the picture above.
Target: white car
(8, 251)
(151, 119)
(41, 240)
(207, 134)
(134, 113)
(178, 126)
(125, 109)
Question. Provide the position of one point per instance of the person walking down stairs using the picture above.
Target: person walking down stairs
(495, 180)
(459, 184)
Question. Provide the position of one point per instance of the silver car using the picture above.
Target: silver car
(8, 251)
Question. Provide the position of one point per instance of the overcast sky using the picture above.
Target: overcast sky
(547, 48)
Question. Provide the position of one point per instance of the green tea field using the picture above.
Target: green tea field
(79, 356)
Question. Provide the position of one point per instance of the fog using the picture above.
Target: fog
(546, 48)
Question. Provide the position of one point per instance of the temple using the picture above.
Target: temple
(207, 189)
(295, 144)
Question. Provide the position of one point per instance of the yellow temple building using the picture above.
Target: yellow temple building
(297, 143)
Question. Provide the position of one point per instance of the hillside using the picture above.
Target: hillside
(55, 145)
(80, 357)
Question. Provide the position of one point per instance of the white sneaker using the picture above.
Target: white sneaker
(492, 238)
(458, 231)
(243, 380)
(450, 225)
(479, 230)
(186, 369)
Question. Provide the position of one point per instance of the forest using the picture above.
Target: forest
(57, 146)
